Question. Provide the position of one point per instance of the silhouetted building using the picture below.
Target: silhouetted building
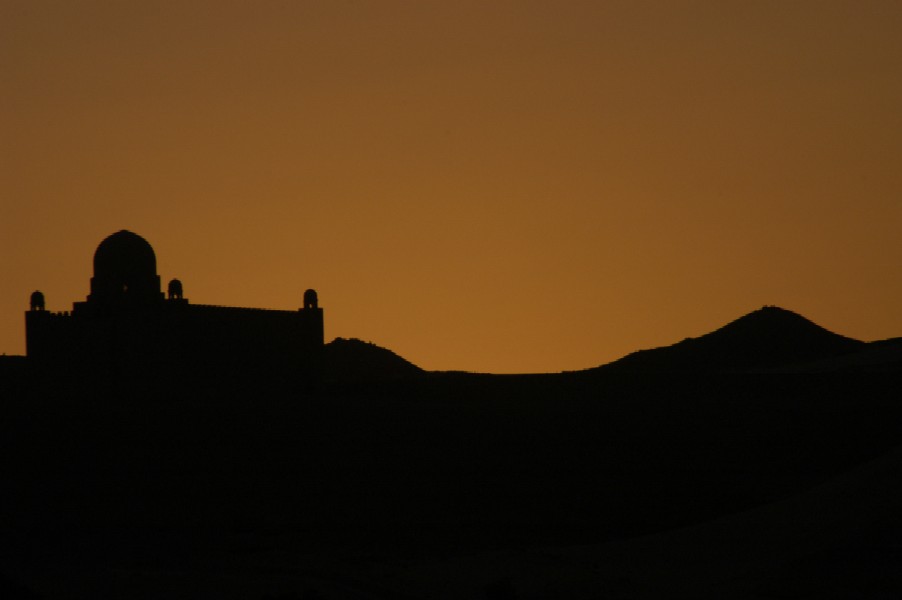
(127, 325)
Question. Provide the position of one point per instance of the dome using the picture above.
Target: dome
(124, 254)
(125, 266)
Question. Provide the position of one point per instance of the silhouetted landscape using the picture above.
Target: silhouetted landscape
(155, 448)
(760, 460)
(450, 300)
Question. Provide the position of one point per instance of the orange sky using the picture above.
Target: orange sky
(494, 186)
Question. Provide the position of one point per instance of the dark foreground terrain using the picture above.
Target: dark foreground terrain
(590, 485)
(763, 460)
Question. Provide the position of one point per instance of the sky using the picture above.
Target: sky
(504, 186)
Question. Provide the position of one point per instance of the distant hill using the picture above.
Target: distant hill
(768, 338)
(351, 360)
(876, 357)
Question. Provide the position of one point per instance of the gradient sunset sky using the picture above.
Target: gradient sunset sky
(501, 186)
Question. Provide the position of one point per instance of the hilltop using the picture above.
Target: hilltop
(351, 360)
(768, 338)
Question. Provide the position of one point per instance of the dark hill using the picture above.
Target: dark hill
(351, 360)
(882, 356)
(770, 337)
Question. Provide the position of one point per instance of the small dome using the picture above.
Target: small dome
(310, 299)
(175, 290)
(37, 301)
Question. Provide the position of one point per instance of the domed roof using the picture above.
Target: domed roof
(124, 255)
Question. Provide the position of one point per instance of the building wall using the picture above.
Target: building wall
(174, 336)
(127, 328)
